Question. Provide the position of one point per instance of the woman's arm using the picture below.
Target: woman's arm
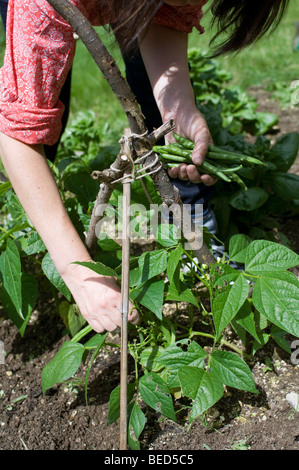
(97, 297)
(164, 52)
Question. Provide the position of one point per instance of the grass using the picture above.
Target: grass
(271, 58)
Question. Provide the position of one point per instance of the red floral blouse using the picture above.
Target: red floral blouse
(40, 48)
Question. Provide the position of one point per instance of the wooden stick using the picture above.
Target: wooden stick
(125, 290)
(124, 315)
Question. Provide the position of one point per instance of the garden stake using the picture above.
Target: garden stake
(125, 291)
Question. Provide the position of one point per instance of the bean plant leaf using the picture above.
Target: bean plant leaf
(54, 277)
(155, 393)
(250, 199)
(183, 353)
(232, 370)
(284, 152)
(81, 184)
(185, 295)
(227, 304)
(32, 244)
(149, 358)
(29, 296)
(10, 267)
(96, 341)
(136, 425)
(203, 387)
(276, 296)
(245, 318)
(71, 317)
(167, 235)
(114, 402)
(237, 247)
(150, 295)
(284, 185)
(63, 365)
(266, 256)
(173, 262)
(4, 187)
(151, 264)
(98, 268)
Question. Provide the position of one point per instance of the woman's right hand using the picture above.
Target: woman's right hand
(98, 298)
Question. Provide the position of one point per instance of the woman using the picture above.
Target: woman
(39, 52)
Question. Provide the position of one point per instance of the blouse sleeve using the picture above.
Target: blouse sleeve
(181, 18)
(39, 51)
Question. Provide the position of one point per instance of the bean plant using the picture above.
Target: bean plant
(201, 325)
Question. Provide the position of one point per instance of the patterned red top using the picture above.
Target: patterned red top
(40, 48)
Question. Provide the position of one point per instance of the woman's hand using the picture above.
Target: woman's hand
(164, 51)
(98, 298)
(191, 124)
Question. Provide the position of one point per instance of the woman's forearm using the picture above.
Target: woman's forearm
(32, 180)
(98, 297)
(165, 56)
(164, 53)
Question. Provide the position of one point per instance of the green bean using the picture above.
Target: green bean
(221, 154)
(238, 180)
(226, 169)
(173, 149)
(173, 158)
(187, 143)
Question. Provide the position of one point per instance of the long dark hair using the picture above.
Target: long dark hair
(244, 21)
(130, 19)
(241, 21)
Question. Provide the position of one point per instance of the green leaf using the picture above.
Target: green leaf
(185, 295)
(167, 235)
(136, 425)
(279, 337)
(63, 365)
(266, 256)
(81, 184)
(183, 353)
(10, 267)
(237, 247)
(284, 185)
(151, 296)
(232, 370)
(54, 277)
(114, 402)
(149, 358)
(284, 152)
(250, 199)
(155, 393)
(151, 264)
(227, 304)
(203, 387)
(223, 274)
(29, 296)
(98, 268)
(33, 244)
(71, 317)
(276, 296)
(4, 187)
(96, 341)
(245, 318)
(173, 262)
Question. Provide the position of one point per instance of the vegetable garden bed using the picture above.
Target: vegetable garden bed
(60, 419)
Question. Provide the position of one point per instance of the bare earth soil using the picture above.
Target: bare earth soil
(60, 420)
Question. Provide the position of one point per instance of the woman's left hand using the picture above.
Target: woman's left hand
(195, 128)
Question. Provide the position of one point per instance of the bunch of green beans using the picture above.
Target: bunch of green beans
(218, 162)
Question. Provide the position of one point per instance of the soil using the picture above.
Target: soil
(60, 419)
